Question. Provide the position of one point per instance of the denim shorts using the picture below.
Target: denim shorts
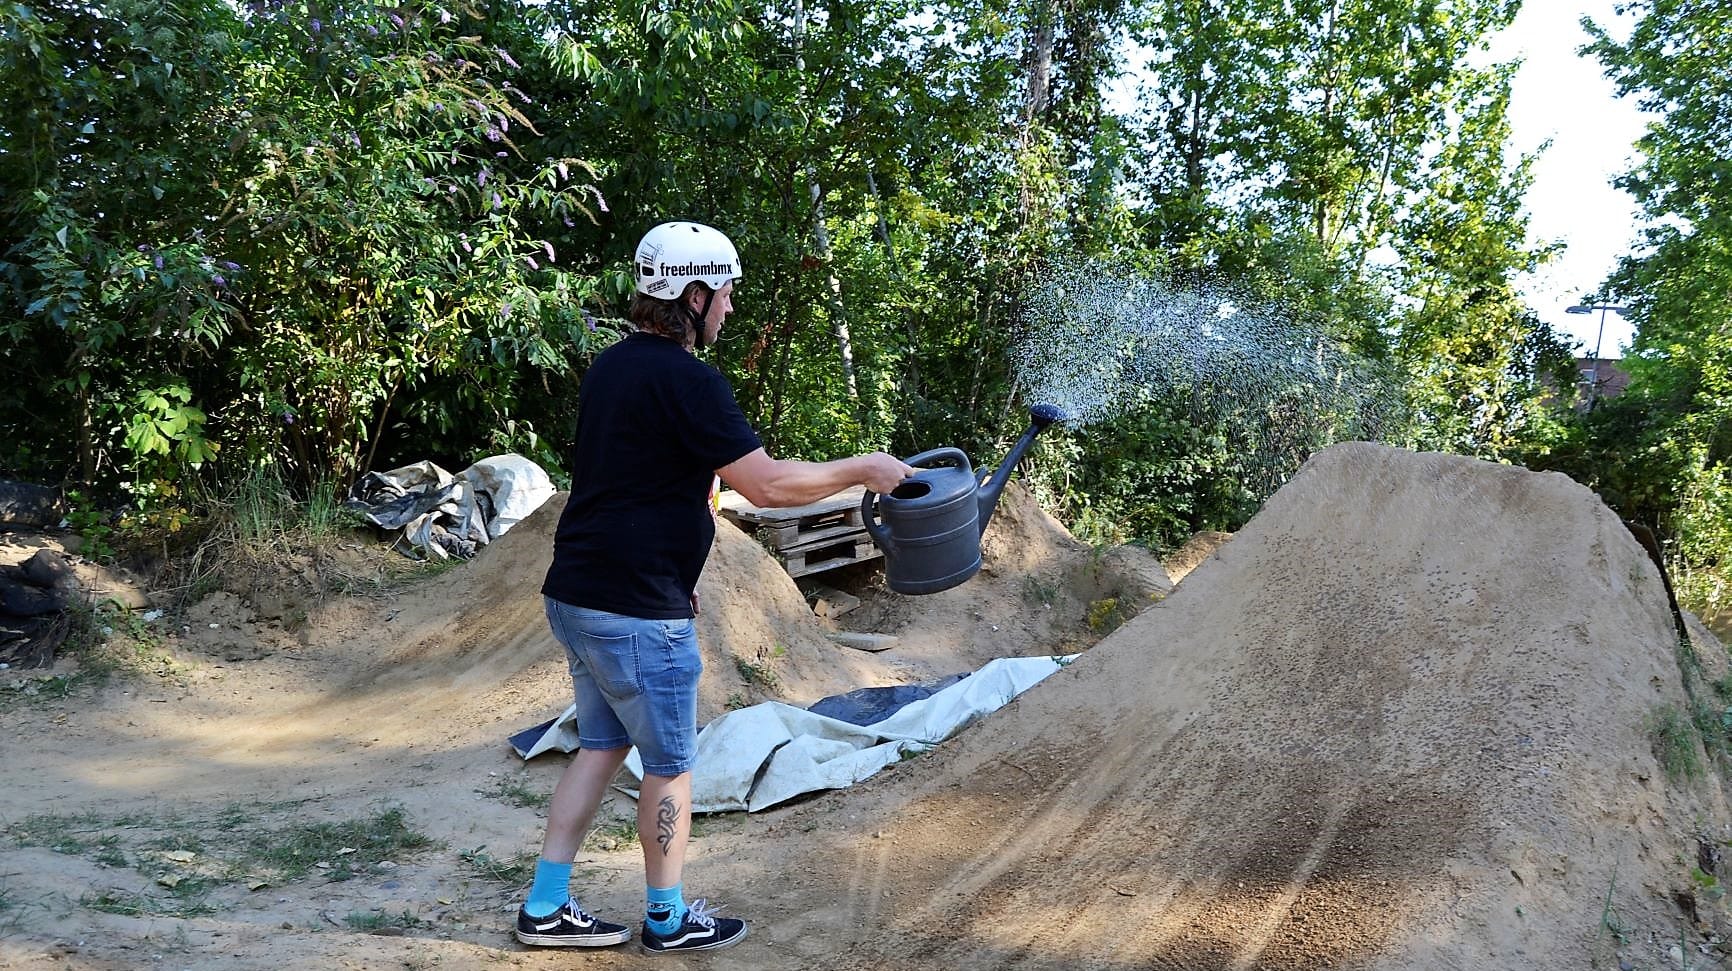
(635, 682)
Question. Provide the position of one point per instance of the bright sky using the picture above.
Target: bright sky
(1565, 97)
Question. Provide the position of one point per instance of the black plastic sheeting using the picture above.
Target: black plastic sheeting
(869, 706)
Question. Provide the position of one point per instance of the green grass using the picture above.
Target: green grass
(514, 792)
(294, 851)
(621, 834)
(377, 920)
(1039, 592)
(130, 904)
(515, 872)
(72, 834)
(1673, 739)
(1610, 922)
(10, 906)
(761, 671)
(188, 857)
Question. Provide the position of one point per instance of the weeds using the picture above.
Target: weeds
(514, 792)
(138, 904)
(617, 835)
(324, 514)
(92, 525)
(761, 670)
(256, 519)
(108, 640)
(515, 872)
(1106, 615)
(1038, 592)
(69, 834)
(1609, 921)
(11, 915)
(188, 858)
(1673, 743)
(378, 920)
(1709, 714)
(296, 850)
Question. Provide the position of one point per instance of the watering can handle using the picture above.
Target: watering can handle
(868, 501)
(946, 452)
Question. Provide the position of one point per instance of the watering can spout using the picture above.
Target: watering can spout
(1040, 417)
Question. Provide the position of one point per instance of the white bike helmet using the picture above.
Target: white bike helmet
(673, 255)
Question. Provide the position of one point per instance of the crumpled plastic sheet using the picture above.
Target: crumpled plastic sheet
(757, 757)
(436, 514)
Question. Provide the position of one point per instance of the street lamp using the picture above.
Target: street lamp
(1594, 371)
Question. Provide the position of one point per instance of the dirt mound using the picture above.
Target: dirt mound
(1407, 719)
(1039, 591)
(472, 644)
(1403, 721)
(1191, 555)
(298, 708)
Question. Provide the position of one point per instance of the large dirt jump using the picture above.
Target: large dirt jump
(1405, 719)
(1399, 722)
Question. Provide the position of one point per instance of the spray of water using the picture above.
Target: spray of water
(1101, 341)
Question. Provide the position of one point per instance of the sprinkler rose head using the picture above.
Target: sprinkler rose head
(1045, 415)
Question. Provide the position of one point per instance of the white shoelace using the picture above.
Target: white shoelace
(700, 912)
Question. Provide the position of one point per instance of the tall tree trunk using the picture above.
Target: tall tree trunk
(838, 314)
(1037, 61)
(911, 372)
(821, 241)
(86, 437)
(1037, 85)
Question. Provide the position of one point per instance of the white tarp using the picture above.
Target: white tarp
(757, 757)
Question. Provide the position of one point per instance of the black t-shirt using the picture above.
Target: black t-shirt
(653, 425)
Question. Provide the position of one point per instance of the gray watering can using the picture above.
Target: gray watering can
(932, 522)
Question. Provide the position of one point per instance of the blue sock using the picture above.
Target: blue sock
(551, 890)
(667, 908)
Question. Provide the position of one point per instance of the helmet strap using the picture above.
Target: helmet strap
(697, 318)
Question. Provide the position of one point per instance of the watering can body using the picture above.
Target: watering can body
(929, 526)
(931, 523)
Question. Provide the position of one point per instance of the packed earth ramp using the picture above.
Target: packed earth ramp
(1401, 721)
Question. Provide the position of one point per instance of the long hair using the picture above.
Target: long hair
(669, 318)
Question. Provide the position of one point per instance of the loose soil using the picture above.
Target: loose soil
(1410, 717)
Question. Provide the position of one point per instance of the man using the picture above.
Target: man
(655, 425)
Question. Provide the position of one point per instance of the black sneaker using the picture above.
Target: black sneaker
(569, 926)
(701, 930)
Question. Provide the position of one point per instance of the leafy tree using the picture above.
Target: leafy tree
(1663, 451)
(108, 278)
(352, 235)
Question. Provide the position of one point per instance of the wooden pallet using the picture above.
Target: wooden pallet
(807, 539)
(824, 555)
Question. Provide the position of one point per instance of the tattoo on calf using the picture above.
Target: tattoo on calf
(667, 819)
